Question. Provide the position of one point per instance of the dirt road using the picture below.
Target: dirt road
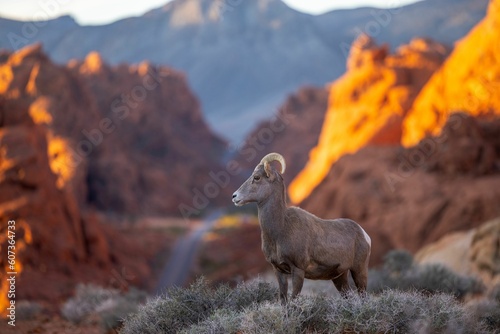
(177, 269)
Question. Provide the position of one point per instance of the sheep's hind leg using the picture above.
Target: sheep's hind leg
(283, 285)
(341, 283)
(297, 281)
(360, 278)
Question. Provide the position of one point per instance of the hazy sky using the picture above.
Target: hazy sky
(106, 11)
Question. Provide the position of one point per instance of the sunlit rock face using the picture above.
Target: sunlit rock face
(402, 98)
(87, 136)
(58, 102)
(469, 81)
(293, 131)
(367, 105)
(244, 57)
(408, 197)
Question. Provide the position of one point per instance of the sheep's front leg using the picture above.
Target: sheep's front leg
(283, 284)
(297, 281)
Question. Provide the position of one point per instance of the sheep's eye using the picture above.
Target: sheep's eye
(256, 178)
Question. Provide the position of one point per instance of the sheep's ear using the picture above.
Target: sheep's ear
(269, 170)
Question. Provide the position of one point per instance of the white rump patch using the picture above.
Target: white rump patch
(367, 237)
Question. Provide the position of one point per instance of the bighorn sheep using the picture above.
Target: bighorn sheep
(298, 243)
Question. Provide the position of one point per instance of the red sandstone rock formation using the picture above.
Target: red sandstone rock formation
(56, 244)
(408, 197)
(469, 81)
(368, 103)
(128, 139)
(157, 148)
(293, 131)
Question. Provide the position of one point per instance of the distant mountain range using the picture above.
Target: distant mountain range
(243, 59)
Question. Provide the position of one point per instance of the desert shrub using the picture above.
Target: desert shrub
(494, 293)
(401, 273)
(398, 261)
(271, 317)
(397, 264)
(255, 308)
(246, 294)
(87, 299)
(175, 310)
(300, 315)
(486, 313)
(442, 313)
(435, 278)
(370, 315)
(108, 304)
(393, 311)
(26, 310)
(181, 308)
(222, 321)
(313, 311)
(113, 312)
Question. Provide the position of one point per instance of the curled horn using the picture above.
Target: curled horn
(274, 157)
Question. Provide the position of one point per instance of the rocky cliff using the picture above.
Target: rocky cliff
(55, 241)
(368, 103)
(57, 101)
(87, 136)
(388, 99)
(408, 197)
(151, 146)
(128, 139)
(292, 132)
(469, 81)
(221, 45)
